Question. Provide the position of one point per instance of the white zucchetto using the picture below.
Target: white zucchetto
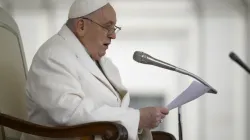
(84, 7)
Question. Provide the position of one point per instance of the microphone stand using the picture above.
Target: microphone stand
(165, 65)
(180, 123)
(147, 59)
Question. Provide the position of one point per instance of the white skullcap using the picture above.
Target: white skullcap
(84, 7)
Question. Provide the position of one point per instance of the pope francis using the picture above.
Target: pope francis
(71, 81)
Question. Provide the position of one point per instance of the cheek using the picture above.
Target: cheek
(97, 38)
(95, 41)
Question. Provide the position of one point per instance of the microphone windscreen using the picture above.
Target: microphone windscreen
(139, 57)
(233, 56)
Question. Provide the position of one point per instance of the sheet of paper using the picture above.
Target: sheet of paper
(194, 91)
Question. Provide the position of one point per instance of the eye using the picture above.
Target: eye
(109, 25)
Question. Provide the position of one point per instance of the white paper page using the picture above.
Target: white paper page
(194, 91)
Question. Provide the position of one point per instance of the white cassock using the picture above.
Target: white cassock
(66, 87)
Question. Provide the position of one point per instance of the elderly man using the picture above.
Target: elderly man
(72, 82)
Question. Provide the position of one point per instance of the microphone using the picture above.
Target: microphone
(144, 58)
(235, 58)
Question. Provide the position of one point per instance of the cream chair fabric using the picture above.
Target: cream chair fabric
(13, 71)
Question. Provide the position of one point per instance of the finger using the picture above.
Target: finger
(158, 118)
(164, 111)
(156, 124)
(163, 116)
(159, 122)
(158, 114)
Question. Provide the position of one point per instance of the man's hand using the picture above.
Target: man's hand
(150, 117)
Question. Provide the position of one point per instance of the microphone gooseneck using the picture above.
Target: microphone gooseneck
(144, 58)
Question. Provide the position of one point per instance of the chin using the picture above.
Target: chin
(97, 58)
(102, 54)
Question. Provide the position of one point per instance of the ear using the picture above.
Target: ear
(81, 27)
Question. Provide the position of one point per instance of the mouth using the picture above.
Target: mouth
(106, 44)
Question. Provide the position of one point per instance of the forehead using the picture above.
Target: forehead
(109, 14)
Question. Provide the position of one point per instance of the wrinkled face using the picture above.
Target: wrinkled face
(96, 31)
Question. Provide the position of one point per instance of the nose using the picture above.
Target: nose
(112, 36)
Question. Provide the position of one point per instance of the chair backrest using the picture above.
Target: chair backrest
(13, 71)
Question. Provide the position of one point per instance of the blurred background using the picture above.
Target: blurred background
(196, 35)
